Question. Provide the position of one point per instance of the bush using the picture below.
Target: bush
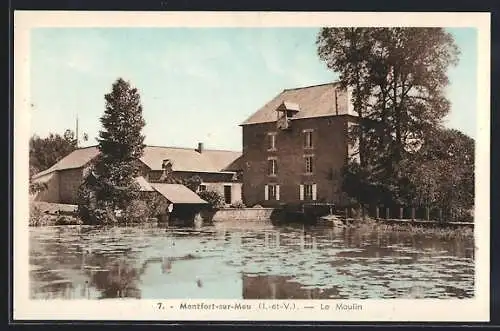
(156, 203)
(214, 198)
(36, 215)
(136, 212)
(67, 220)
(238, 204)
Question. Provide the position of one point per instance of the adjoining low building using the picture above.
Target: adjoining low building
(218, 169)
(295, 146)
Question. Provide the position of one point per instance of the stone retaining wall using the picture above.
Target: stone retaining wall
(246, 214)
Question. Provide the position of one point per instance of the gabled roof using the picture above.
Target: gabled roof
(310, 101)
(287, 105)
(177, 193)
(76, 159)
(187, 159)
(183, 159)
(144, 185)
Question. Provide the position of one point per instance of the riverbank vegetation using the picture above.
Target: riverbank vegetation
(443, 231)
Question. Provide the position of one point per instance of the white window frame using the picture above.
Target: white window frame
(304, 195)
(271, 143)
(308, 138)
(267, 192)
(273, 171)
(309, 171)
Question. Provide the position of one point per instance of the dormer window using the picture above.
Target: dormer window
(286, 111)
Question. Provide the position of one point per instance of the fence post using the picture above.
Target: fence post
(387, 213)
(347, 213)
(413, 213)
(377, 213)
(440, 215)
(427, 214)
(400, 213)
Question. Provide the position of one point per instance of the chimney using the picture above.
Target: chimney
(166, 166)
(200, 148)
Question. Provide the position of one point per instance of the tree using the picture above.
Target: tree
(45, 152)
(398, 77)
(442, 171)
(121, 145)
(214, 198)
(193, 182)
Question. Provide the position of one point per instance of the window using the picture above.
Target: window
(227, 194)
(308, 159)
(308, 192)
(272, 192)
(271, 143)
(308, 138)
(202, 188)
(272, 167)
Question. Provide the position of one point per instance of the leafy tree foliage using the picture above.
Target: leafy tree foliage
(441, 173)
(398, 78)
(214, 198)
(45, 152)
(111, 184)
(193, 182)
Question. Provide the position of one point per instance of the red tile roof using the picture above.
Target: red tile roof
(177, 193)
(311, 101)
(183, 159)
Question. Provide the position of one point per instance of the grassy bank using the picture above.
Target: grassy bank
(443, 231)
(49, 214)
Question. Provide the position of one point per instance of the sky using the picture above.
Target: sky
(196, 84)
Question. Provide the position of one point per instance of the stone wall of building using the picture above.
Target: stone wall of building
(243, 214)
(69, 182)
(236, 191)
(329, 153)
(51, 193)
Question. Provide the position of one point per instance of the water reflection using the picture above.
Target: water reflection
(257, 263)
(282, 288)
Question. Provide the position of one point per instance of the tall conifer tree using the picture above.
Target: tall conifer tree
(121, 144)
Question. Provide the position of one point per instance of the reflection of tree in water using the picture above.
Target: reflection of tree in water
(120, 281)
(61, 289)
(281, 288)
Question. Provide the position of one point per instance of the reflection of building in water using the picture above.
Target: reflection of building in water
(272, 239)
(282, 288)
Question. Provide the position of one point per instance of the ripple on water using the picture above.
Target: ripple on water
(356, 269)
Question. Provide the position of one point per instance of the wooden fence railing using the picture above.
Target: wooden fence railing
(407, 213)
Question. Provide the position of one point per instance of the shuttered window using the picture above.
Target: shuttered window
(308, 192)
(272, 192)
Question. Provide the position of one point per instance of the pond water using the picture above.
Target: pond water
(258, 262)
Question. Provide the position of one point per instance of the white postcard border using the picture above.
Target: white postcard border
(476, 309)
